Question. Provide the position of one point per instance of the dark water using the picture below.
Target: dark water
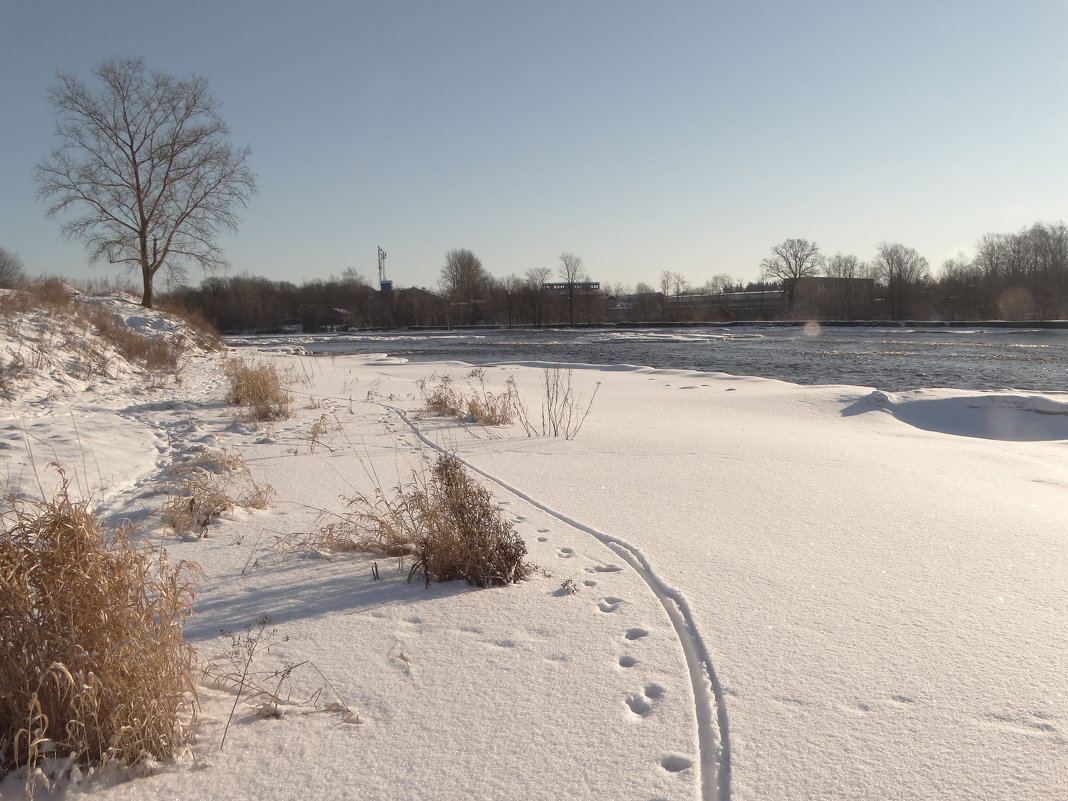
(891, 359)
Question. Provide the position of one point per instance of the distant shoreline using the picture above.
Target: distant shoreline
(1009, 324)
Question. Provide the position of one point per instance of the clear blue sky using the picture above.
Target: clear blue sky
(642, 136)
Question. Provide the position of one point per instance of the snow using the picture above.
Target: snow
(780, 591)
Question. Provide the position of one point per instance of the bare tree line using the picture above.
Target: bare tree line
(1021, 276)
(1013, 276)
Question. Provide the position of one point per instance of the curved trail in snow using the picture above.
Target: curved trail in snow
(713, 733)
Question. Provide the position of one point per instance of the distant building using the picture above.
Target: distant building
(581, 286)
(823, 298)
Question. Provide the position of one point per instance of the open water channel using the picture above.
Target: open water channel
(893, 359)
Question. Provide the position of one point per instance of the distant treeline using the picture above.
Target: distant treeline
(1021, 276)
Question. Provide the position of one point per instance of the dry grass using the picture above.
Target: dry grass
(93, 662)
(209, 484)
(10, 373)
(46, 293)
(476, 404)
(259, 388)
(51, 293)
(447, 522)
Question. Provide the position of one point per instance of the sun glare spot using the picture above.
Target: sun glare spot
(812, 328)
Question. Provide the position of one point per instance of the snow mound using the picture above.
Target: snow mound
(84, 381)
(68, 342)
(1012, 417)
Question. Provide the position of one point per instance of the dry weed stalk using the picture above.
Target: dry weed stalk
(262, 690)
(242, 652)
(93, 661)
(318, 429)
(562, 414)
(258, 387)
(211, 483)
(447, 522)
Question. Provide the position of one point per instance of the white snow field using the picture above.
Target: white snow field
(747, 589)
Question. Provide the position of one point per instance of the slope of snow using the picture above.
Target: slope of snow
(747, 589)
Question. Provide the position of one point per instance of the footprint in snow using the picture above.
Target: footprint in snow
(609, 604)
(641, 704)
(676, 764)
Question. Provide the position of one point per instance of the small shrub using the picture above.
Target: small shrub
(259, 388)
(463, 534)
(211, 483)
(447, 522)
(93, 662)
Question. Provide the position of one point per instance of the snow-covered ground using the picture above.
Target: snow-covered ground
(747, 589)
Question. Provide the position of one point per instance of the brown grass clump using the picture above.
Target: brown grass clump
(259, 388)
(51, 293)
(155, 353)
(210, 483)
(93, 662)
(447, 522)
(476, 405)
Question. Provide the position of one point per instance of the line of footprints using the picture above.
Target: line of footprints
(640, 704)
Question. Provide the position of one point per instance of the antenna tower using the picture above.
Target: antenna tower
(384, 284)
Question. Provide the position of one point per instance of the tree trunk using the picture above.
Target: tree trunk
(146, 297)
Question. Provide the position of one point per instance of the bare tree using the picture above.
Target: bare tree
(535, 279)
(842, 265)
(673, 284)
(572, 272)
(718, 284)
(902, 270)
(850, 296)
(464, 280)
(791, 260)
(12, 274)
(145, 166)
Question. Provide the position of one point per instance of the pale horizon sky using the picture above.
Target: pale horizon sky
(643, 137)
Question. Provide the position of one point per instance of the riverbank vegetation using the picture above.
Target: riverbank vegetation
(1012, 276)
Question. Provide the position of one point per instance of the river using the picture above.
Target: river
(893, 359)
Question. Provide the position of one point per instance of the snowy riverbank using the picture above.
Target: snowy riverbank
(781, 592)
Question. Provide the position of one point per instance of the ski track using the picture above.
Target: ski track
(713, 732)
